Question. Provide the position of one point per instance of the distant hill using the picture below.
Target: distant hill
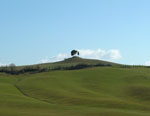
(75, 61)
(85, 61)
(72, 63)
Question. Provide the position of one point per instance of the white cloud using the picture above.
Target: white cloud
(59, 57)
(111, 55)
(45, 60)
(2, 64)
(147, 63)
(5, 64)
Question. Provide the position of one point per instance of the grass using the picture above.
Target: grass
(73, 61)
(100, 91)
(94, 91)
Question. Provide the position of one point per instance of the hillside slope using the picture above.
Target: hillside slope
(73, 61)
(103, 91)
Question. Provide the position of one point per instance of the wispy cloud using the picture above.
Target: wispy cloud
(59, 57)
(147, 63)
(111, 55)
(2, 64)
(5, 64)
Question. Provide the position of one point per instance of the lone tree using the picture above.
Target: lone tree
(75, 52)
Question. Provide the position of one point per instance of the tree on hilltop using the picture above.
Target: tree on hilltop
(75, 52)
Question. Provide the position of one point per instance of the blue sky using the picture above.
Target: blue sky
(34, 31)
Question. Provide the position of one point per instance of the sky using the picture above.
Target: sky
(39, 31)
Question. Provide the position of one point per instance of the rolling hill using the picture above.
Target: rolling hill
(95, 91)
(73, 61)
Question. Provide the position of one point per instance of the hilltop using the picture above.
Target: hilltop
(75, 61)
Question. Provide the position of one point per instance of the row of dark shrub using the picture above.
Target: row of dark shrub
(82, 66)
(36, 69)
(134, 66)
(14, 70)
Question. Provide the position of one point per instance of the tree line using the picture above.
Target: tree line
(37, 69)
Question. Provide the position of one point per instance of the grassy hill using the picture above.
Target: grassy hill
(97, 91)
(67, 64)
(73, 61)
(77, 60)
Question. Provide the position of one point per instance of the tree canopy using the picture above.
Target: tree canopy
(75, 52)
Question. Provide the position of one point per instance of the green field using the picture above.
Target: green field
(99, 91)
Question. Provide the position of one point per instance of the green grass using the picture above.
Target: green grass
(103, 91)
(73, 61)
